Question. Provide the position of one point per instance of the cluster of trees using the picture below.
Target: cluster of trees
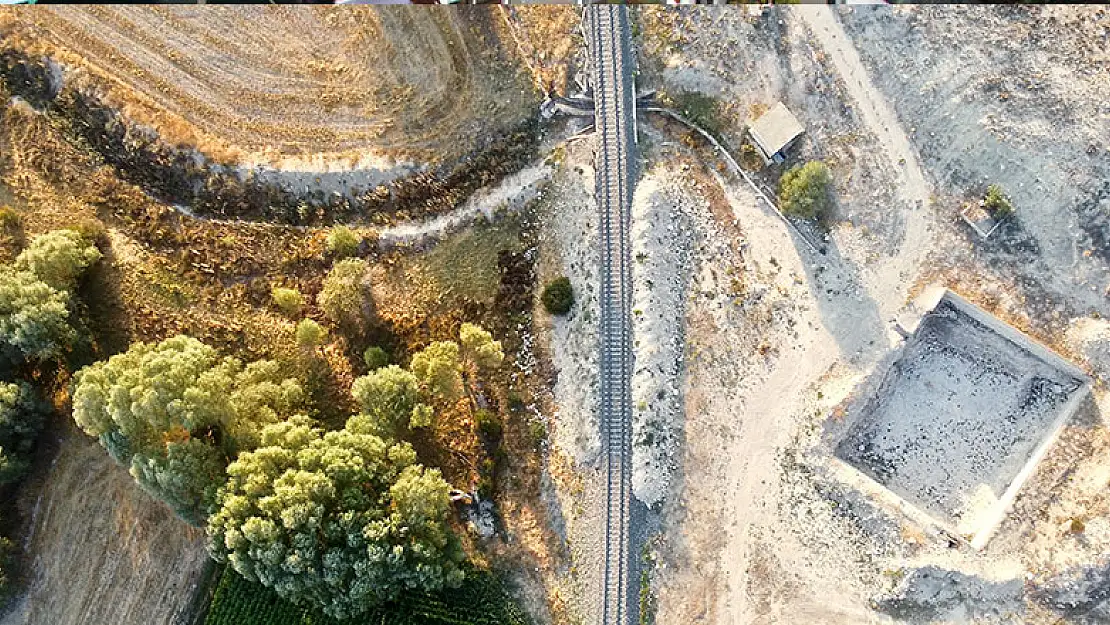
(342, 520)
(175, 412)
(37, 329)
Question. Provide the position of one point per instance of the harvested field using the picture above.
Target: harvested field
(292, 88)
(959, 414)
(99, 549)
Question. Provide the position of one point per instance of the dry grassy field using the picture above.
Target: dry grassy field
(280, 86)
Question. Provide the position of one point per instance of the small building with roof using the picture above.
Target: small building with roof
(774, 132)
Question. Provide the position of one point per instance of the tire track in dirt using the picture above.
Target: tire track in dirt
(894, 277)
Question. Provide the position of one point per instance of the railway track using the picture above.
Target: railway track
(609, 39)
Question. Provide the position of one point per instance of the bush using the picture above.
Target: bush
(10, 221)
(375, 358)
(703, 110)
(558, 296)
(997, 203)
(289, 301)
(345, 298)
(310, 333)
(58, 258)
(343, 242)
(489, 424)
(805, 191)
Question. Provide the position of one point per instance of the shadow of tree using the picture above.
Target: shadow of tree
(847, 310)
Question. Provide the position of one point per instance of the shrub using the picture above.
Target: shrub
(58, 258)
(375, 358)
(93, 231)
(997, 203)
(489, 424)
(310, 333)
(558, 296)
(343, 242)
(703, 110)
(805, 191)
(289, 301)
(345, 298)
(10, 221)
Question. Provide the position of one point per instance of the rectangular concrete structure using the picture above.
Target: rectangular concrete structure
(961, 417)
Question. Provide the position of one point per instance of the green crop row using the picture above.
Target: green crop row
(481, 600)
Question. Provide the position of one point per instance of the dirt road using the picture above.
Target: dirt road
(893, 277)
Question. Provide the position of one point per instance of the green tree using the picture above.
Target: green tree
(58, 258)
(375, 357)
(479, 350)
(310, 333)
(389, 402)
(175, 410)
(343, 242)
(438, 368)
(289, 301)
(806, 191)
(558, 296)
(345, 297)
(343, 521)
(21, 418)
(34, 319)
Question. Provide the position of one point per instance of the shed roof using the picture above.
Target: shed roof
(775, 129)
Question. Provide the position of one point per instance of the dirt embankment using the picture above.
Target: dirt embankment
(96, 548)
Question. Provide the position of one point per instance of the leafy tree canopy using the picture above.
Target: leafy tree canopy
(21, 418)
(388, 398)
(34, 319)
(438, 368)
(805, 191)
(478, 347)
(342, 520)
(173, 411)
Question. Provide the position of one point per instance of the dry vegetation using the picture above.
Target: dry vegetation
(164, 273)
(271, 84)
(549, 40)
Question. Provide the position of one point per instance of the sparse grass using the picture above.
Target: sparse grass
(466, 263)
(701, 109)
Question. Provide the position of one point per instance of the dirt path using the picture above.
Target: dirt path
(893, 277)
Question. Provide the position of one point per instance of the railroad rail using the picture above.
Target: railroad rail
(610, 50)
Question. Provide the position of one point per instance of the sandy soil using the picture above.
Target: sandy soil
(269, 85)
(129, 561)
(770, 364)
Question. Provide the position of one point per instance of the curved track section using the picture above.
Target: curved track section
(610, 50)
